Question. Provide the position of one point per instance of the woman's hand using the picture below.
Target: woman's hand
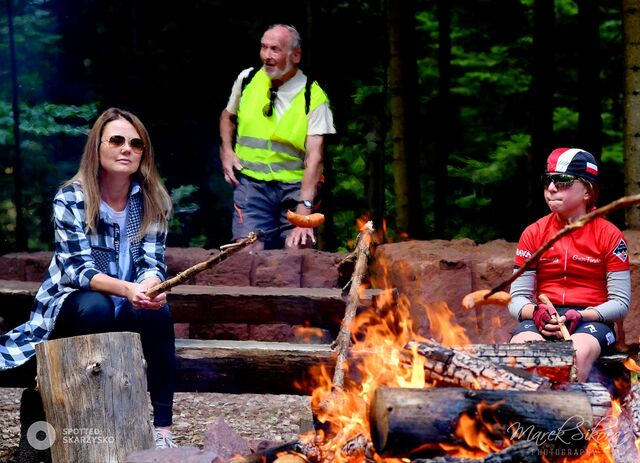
(139, 299)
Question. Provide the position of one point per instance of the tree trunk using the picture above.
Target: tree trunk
(443, 134)
(403, 80)
(589, 91)
(403, 420)
(542, 71)
(21, 234)
(631, 40)
(94, 393)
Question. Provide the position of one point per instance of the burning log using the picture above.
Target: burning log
(452, 367)
(418, 422)
(554, 360)
(520, 452)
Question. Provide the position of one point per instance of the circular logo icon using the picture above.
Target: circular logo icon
(41, 435)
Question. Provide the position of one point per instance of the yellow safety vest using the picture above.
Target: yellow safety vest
(270, 149)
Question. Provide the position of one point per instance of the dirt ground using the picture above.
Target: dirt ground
(276, 418)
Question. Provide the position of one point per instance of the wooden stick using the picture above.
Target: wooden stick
(194, 270)
(621, 203)
(295, 220)
(563, 329)
(343, 341)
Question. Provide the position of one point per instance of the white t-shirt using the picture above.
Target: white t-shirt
(125, 267)
(320, 119)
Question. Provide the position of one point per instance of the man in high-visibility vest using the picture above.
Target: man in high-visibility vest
(278, 121)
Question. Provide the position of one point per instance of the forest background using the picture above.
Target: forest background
(445, 109)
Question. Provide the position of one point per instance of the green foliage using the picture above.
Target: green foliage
(183, 209)
(72, 55)
(44, 129)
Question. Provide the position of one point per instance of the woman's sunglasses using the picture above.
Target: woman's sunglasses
(116, 141)
(561, 181)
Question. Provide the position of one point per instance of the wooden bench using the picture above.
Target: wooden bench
(236, 366)
(219, 365)
(318, 307)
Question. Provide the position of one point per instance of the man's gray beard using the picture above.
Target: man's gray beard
(278, 73)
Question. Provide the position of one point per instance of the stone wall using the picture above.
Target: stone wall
(433, 275)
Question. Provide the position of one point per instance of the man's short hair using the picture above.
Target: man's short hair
(296, 40)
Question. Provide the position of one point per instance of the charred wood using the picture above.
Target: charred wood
(553, 360)
(446, 366)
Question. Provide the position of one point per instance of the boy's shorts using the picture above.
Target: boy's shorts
(603, 332)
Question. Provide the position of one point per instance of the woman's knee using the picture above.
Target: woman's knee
(86, 312)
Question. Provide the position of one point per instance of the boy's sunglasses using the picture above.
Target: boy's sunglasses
(116, 141)
(561, 181)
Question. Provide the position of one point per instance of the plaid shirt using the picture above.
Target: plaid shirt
(77, 259)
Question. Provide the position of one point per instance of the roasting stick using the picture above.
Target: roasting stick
(563, 329)
(620, 203)
(296, 220)
(343, 340)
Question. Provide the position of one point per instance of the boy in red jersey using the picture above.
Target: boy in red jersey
(585, 274)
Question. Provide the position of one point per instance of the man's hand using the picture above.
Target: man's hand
(300, 238)
(230, 162)
(546, 320)
(573, 319)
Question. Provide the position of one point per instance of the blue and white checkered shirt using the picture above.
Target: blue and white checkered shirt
(78, 257)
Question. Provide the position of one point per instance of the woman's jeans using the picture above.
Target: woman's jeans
(90, 312)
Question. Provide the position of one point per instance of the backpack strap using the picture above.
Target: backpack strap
(307, 94)
(248, 77)
(307, 87)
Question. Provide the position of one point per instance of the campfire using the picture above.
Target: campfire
(397, 396)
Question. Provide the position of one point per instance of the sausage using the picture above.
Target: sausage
(305, 221)
(477, 299)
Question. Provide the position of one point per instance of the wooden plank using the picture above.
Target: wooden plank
(320, 307)
(247, 366)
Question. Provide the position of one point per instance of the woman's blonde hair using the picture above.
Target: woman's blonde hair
(156, 201)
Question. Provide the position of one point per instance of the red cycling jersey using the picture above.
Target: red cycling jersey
(574, 270)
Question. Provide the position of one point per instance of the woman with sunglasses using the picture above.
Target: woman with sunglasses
(585, 274)
(110, 223)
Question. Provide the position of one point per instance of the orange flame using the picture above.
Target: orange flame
(379, 357)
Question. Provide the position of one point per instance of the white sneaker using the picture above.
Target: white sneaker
(163, 439)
